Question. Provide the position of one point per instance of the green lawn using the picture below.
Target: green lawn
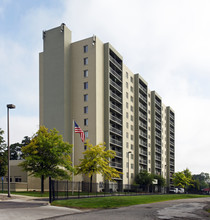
(119, 201)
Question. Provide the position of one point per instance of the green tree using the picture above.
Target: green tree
(16, 149)
(160, 179)
(144, 179)
(183, 179)
(3, 155)
(203, 179)
(96, 161)
(47, 155)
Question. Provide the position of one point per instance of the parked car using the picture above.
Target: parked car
(180, 190)
(173, 190)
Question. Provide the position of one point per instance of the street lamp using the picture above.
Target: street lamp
(128, 169)
(9, 106)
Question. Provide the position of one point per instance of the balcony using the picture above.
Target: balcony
(143, 107)
(143, 116)
(118, 154)
(157, 119)
(143, 162)
(116, 108)
(158, 127)
(143, 134)
(115, 130)
(143, 152)
(158, 111)
(171, 116)
(158, 134)
(172, 136)
(115, 62)
(143, 143)
(116, 164)
(115, 85)
(157, 150)
(115, 119)
(158, 142)
(157, 103)
(143, 89)
(171, 123)
(158, 166)
(114, 73)
(172, 143)
(143, 98)
(171, 149)
(172, 164)
(143, 125)
(116, 142)
(115, 96)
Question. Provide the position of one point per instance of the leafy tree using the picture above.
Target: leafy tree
(183, 179)
(15, 149)
(161, 180)
(3, 155)
(96, 161)
(47, 155)
(144, 179)
(203, 179)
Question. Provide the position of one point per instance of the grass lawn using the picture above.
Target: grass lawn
(119, 201)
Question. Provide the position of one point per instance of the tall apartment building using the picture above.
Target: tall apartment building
(87, 81)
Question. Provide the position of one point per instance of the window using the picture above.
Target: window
(126, 104)
(131, 156)
(85, 85)
(132, 137)
(85, 48)
(131, 78)
(126, 114)
(131, 146)
(127, 174)
(86, 109)
(131, 98)
(85, 73)
(86, 121)
(126, 124)
(126, 134)
(127, 165)
(131, 175)
(126, 95)
(131, 108)
(17, 179)
(86, 134)
(127, 75)
(126, 85)
(131, 127)
(131, 117)
(131, 88)
(86, 61)
(86, 97)
(132, 166)
(126, 144)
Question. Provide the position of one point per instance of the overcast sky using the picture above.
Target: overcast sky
(166, 41)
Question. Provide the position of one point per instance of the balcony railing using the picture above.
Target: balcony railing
(116, 85)
(117, 75)
(142, 88)
(143, 107)
(158, 119)
(143, 162)
(114, 141)
(143, 143)
(158, 126)
(115, 119)
(171, 143)
(116, 164)
(143, 125)
(158, 142)
(158, 134)
(143, 134)
(158, 150)
(115, 130)
(158, 111)
(158, 158)
(119, 154)
(115, 62)
(118, 98)
(143, 116)
(143, 152)
(116, 108)
(143, 98)
(158, 103)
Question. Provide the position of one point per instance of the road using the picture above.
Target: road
(188, 209)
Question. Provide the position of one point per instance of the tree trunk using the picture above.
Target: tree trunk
(42, 184)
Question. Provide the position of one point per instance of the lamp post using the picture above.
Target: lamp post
(9, 106)
(128, 170)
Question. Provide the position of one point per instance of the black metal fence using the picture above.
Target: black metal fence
(60, 189)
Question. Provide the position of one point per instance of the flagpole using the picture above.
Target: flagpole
(73, 156)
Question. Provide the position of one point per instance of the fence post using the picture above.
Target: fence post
(50, 192)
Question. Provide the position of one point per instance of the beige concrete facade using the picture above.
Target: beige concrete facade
(87, 81)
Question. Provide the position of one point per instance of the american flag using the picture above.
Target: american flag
(77, 129)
